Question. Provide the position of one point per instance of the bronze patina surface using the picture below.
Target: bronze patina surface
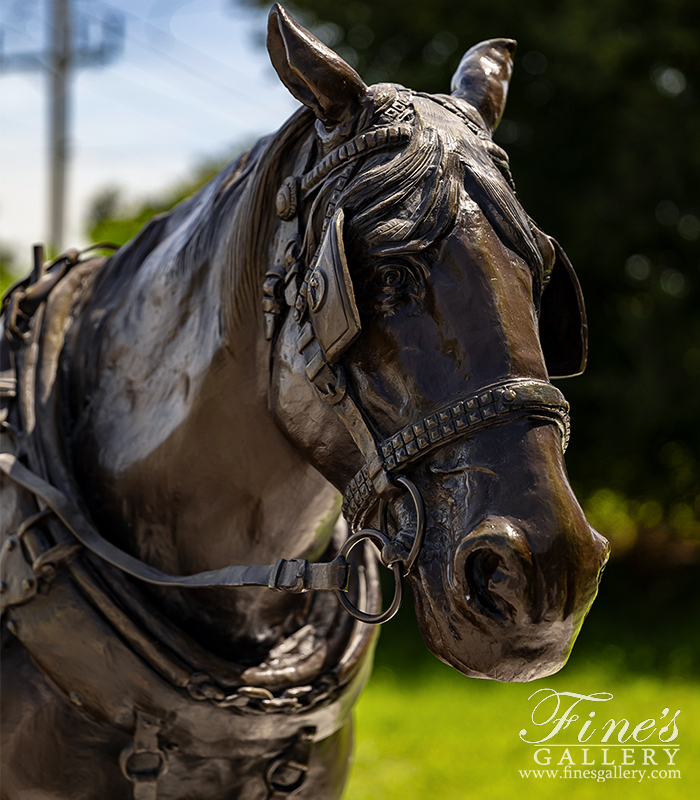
(358, 304)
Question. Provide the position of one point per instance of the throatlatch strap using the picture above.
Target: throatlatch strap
(296, 575)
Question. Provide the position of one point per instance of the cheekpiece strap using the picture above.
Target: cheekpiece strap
(320, 293)
(287, 280)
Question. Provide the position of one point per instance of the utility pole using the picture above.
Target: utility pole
(58, 117)
(71, 45)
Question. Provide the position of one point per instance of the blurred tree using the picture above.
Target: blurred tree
(9, 270)
(111, 219)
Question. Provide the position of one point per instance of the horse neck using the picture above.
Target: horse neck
(177, 456)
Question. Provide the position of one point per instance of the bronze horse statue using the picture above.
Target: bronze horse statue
(359, 305)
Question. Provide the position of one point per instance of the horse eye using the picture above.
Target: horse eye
(390, 277)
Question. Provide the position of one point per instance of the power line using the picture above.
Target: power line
(133, 107)
(187, 45)
(255, 101)
(201, 75)
(89, 37)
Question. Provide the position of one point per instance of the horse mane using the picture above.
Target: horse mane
(230, 218)
(398, 199)
(405, 201)
(251, 225)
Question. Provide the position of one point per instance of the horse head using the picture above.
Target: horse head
(427, 313)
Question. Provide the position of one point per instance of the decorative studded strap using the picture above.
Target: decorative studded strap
(375, 139)
(492, 405)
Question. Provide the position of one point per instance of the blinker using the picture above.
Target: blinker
(332, 306)
(563, 325)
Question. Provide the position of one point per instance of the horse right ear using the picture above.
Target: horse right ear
(482, 78)
(563, 325)
(312, 72)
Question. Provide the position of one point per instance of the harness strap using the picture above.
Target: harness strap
(143, 762)
(287, 773)
(295, 575)
(331, 386)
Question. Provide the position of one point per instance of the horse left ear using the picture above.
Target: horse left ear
(483, 76)
(563, 324)
(312, 72)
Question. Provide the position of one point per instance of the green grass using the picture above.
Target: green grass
(424, 731)
(447, 737)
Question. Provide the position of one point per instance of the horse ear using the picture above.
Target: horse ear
(563, 325)
(482, 78)
(332, 305)
(312, 72)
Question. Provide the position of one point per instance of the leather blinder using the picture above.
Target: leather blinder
(563, 325)
(331, 299)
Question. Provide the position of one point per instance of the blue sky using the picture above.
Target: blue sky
(194, 81)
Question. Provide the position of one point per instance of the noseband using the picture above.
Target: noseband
(378, 486)
(490, 406)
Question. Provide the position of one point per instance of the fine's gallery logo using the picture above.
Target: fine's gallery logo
(574, 732)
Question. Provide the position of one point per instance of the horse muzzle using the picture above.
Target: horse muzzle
(500, 610)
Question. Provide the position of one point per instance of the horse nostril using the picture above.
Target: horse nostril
(486, 579)
(494, 562)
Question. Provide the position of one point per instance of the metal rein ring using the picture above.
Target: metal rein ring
(420, 521)
(382, 540)
(140, 776)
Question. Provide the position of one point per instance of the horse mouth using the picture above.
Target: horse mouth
(491, 614)
(507, 652)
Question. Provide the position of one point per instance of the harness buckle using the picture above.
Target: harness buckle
(143, 762)
(287, 773)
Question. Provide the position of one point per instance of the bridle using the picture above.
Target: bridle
(318, 292)
(491, 406)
